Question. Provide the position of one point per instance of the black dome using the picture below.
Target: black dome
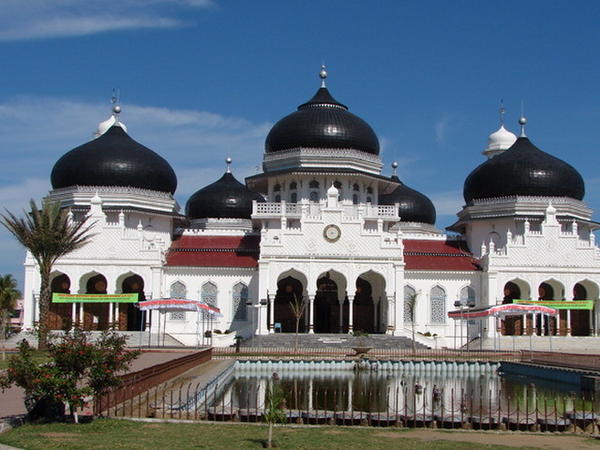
(114, 159)
(523, 169)
(322, 122)
(226, 198)
(414, 206)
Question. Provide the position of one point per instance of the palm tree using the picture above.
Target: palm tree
(8, 299)
(48, 234)
(298, 306)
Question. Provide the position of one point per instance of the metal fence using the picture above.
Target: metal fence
(401, 407)
(344, 353)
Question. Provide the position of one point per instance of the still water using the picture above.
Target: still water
(396, 388)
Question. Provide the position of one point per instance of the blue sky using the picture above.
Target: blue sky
(200, 78)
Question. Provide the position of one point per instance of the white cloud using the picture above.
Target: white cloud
(39, 19)
(447, 203)
(440, 129)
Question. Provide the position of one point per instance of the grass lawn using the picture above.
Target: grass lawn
(105, 433)
(38, 357)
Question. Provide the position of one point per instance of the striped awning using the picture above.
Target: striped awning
(511, 309)
(178, 304)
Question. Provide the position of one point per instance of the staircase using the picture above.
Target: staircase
(376, 341)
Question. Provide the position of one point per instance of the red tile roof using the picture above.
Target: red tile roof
(422, 254)
(214, 251)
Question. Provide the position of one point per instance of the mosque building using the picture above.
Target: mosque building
(321, 226)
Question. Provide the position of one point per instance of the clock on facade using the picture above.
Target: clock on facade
(332, 233)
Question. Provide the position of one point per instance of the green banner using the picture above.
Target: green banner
(94, 298)
(559, 304)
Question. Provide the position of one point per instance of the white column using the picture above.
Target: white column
(111, 308)
(569, 322)
(543, 319)
(524, 325)
(350, 313)
(81, 319)
(272, 314)
(341, 315)
(311, 320)
(73, 315)
(391, 315)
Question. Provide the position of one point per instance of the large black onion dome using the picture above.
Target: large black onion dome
(413, 206)
(523, 169)
(226, 198)
(114, 159)
(322, 122)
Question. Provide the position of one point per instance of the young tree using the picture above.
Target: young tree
(48, 234)
(411, 303)
(298, 307)
(8, 299)
(274, 407)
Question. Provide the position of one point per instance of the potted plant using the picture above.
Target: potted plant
(361, 347)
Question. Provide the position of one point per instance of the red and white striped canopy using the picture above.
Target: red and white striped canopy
(510, 309)
(178, 304)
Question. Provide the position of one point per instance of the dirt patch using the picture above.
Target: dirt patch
(520, 440)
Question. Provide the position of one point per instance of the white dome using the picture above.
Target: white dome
(104, 126)
(499, 141)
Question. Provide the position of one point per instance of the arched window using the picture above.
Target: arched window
(438, 305)
(355, 199)
(410, 303)
(277, 188)
(467, 296)
(314, 184)
(177, 290)
(337, 184)
(369, 190)
(208, 295)
(293, 185)
(314, 196)
(355, 187)
(294, 198)
(240, 297)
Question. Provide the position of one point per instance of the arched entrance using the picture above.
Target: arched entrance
(553, 290)
(581, 320)
(95, 315)
(289, 290)
(60, 314)
(364, 308)
(512, 325)
(132, 319)
(327, 306)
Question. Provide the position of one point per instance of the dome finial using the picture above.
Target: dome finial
(502, 111)
(394, 167)
(116, 109)
(228, 161)
(522, 120)
(323, 75)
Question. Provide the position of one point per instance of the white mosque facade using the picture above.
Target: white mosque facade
(324, 227)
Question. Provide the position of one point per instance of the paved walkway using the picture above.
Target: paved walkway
(11, 401)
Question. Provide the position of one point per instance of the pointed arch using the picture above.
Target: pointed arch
(239, 299)
(437, 299)
(410, 304)
(60, 315)
(178, 289)
(468, 296)
(208, 294)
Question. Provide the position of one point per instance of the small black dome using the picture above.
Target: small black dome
(322, 122)
(114, 159)
(523, 169)
(414, 206)
(226, 198)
